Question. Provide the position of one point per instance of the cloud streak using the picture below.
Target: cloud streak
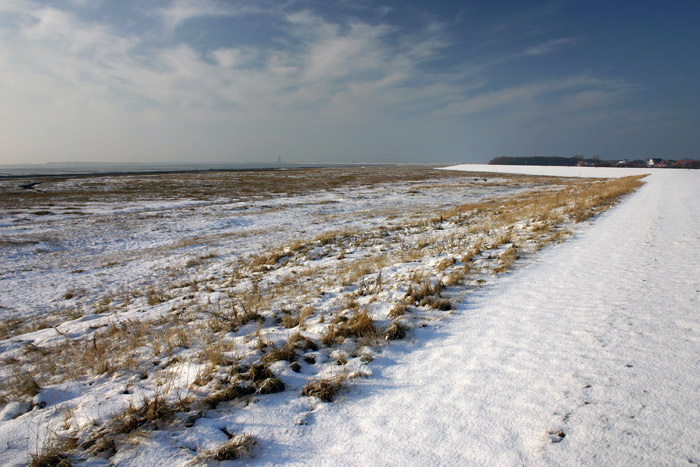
(181, 11)
(92, 87)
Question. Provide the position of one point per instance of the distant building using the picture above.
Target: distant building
(654, 162)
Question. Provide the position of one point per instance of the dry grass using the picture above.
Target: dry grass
(394, 331)
(10, 327)
(119, 346)
(228, 393)
(507, 260)
(397, 310)
(154, 297)
(238, 447)
(55, 452)
(331, 336)
(288, 351)
(150, 411)
(259, 372)
(20, 384)
(428, 294)
(270, 386)
(477, 233)
(296, 320)
(231, 319)
(325, 389)
(359, 325)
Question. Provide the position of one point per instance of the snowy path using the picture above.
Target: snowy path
(590, 356)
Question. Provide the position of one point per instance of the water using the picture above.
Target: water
(88, 168)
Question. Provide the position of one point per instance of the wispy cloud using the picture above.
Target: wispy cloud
(584, 86)
(57, 64)
(179, 11)
(548, 47)
(83, 78)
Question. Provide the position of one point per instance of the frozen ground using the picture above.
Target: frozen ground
(559, 362)
(78, 242)
(590, 356)
(117, 291)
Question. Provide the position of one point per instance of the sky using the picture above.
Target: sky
(172, 81)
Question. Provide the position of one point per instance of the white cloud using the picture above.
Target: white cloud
(17, 6)
(93, 91)
(584, 86)
(180, 11)
(548, 47)
(85, 3)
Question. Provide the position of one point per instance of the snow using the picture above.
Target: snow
(115, 248)
(589, 356)
(75, 255)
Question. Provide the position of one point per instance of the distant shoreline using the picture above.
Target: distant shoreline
(9, 172)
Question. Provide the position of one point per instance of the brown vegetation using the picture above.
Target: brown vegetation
(325, 389)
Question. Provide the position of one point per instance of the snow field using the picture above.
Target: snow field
(588, 356)
(176, 364)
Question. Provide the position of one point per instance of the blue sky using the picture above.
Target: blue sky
(224, 81)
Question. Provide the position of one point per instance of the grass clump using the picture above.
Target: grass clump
(429, 295)
(55, 453)
(289, 350)
(259, 372)
(154, 297)
(397, 310)
(507, 260)
(360, 325)
(331, 336)
(230, 392)
(395, 331)
(25, 385)
(238, 447)
(296, 320)
(264, 380)
(420, 295)
(149, 411)
(326, 388)
(270, 386)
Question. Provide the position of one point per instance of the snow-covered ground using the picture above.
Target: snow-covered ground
(590, 356)
(117, 300)
(79, 248)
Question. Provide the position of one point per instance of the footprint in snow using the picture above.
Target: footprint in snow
(557, 436)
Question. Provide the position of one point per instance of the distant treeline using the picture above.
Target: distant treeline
(594, 162)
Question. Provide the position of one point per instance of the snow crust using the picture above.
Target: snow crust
(588, 356)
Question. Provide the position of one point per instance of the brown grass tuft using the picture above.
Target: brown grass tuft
(270, 386)
(236, 448)
(55, 453)
(507, 260)
(259, 372)
(397, 310)
(426, 294)
(325, 389)
(360, 325)
(151, 410)
(230, 392)
(395, 331)
(331, 336)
